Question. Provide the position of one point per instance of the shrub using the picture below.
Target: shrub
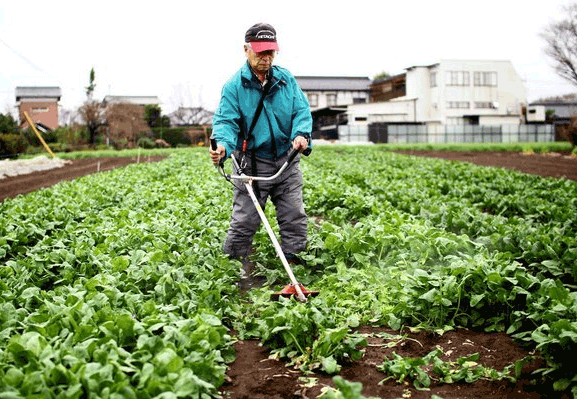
(175, 136)
(12, 144)
(74, 135)
(8, 125)
(145, 142)
(34, 150)
(60, 147)
(569, 132)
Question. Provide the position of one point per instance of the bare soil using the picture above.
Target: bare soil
(10, 187)
(557, 164)
(253, 375)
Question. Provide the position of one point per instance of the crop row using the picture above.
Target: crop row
(115, 285)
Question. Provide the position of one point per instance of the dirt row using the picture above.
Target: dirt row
(12, 186)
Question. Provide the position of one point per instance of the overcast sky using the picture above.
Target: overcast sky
(183, 51)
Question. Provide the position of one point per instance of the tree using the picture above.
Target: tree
(125, 123)
(561, 40)
(8, 125)
(92, 112)
(67, 117)
(569, 131)
(91, 85)
(153, 116)
(191, 116)
(382, 75)
(188, 112)
(564, 98)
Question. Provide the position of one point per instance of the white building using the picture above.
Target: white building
(451, 92)
(331, 91)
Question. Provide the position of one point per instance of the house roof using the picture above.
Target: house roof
(422, 66)
(555, 103)
(140, 100)
(37, 92)
(336, 83)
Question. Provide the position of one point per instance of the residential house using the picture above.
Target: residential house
(558, 113)
(329, 97)
(139, 100)
(451, 92)
(388, 88)
(40, 103)
(447, 93)
(330, 91)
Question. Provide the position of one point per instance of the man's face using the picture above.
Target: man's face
(259, 62)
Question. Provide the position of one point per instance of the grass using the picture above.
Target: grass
(534, 147)
(541, 147)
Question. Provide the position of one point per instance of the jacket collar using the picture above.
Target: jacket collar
(248, 76)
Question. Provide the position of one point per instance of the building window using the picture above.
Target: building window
(458, 105)
(331, 99)
(360, 118)
(457, 78)
(359, 100)
(313, 99)
(485, 79)
(483, 104)
(433, 79)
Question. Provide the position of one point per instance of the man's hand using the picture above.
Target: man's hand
(217, 154)
(300, 144)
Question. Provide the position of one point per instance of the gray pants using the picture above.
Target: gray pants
(285, 193)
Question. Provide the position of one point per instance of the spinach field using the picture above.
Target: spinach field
(114, 285)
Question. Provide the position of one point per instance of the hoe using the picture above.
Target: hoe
(294, 289)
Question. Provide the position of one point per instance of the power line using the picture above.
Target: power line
(22, 57)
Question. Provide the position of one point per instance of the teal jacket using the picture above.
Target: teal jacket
(286, 113)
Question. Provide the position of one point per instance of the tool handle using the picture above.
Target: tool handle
(292, 156)
(214, 147)
(306, 152)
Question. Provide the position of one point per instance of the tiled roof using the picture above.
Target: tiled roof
(337, 83)
(38, 92)
(140, 100)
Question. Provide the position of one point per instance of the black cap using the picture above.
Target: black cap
(259, 34)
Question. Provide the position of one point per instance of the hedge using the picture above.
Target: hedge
(12, 144)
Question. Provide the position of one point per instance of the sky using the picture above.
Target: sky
(184, 51)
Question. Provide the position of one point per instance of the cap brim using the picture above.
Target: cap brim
(263, 46)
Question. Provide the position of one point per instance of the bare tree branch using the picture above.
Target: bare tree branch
(188, 112)
(125, 123)
(92, 113)
(561, 40)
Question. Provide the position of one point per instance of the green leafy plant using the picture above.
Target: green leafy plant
(115, 283)
(464, 369)
(344, 390)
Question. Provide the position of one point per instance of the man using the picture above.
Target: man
(284, 121)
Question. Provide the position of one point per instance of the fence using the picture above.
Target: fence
(396, 133)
